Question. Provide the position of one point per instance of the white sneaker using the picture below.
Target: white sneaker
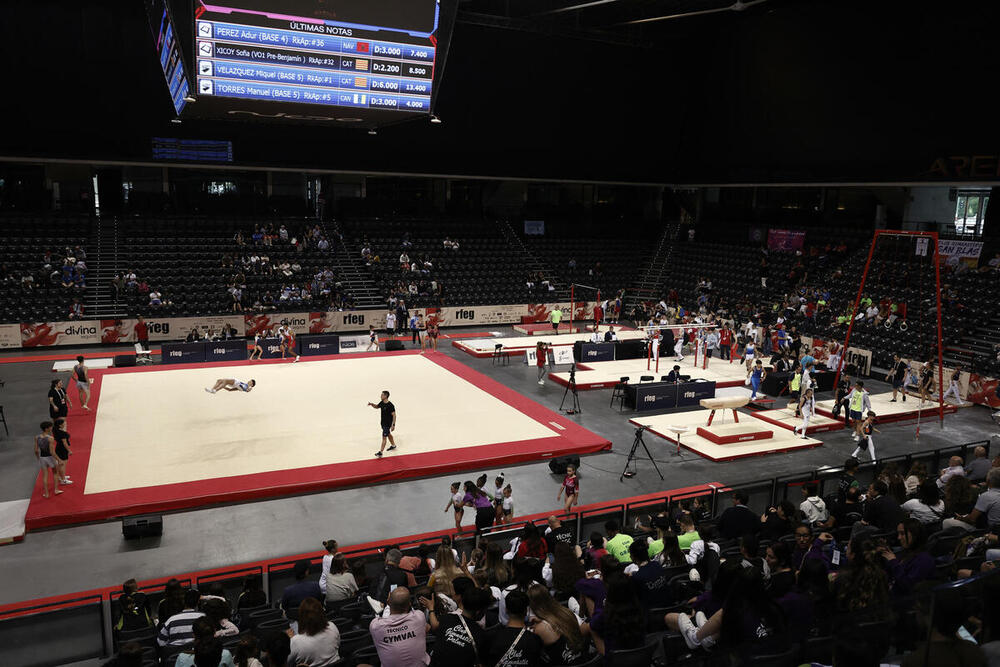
(209, 390)
(694, 575)
(66, 481)
(574, 606)
(688, 631)
(296, 358)
(541, 382)
(376, 606)
(700, 619)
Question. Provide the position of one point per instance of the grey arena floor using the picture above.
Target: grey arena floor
(89, 556)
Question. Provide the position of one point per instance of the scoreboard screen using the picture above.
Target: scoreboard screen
(168, 52)
(348, 59)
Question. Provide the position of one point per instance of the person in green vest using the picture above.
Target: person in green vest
(858, 403)
(688, 532)
(617, 543)
(556, 317)
(794, 387)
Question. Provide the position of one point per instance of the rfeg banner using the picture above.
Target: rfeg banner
(161, 329)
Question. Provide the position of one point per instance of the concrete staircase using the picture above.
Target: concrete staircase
(346, 263)
(649, 283)
(532, 264)
(102, 268)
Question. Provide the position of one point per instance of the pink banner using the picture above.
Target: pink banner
(785, 239)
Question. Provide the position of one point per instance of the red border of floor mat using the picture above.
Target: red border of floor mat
(73, 507)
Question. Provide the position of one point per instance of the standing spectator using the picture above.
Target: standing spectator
(738, 520)
(141, 331)
(317, 643)
(390, 323)
(400, 637)
(295, 594)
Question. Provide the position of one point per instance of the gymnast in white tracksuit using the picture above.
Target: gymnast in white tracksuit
(953, 389)
(808, 408)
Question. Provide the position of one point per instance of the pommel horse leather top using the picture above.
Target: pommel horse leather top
(724, 403)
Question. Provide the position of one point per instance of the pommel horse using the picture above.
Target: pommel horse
(724, 403)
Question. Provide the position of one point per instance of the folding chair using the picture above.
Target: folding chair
(141, 355)
(619, 393)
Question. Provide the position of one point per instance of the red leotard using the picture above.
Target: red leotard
(571, 484)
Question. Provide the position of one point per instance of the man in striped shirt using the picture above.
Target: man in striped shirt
(177, 631)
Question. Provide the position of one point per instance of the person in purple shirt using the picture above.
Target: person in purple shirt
(913, 564)
(807, 547)
(477, 498)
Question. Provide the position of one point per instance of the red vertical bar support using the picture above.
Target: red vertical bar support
(572, 299)
(857, 301)
(940, 335)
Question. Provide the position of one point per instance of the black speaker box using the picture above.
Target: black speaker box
(143, 525)
(124, 360)
(559, 463)
(394, 345)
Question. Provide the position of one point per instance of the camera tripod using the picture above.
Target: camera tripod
(571, 387)
(630, 470)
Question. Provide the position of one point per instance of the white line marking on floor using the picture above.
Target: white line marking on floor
(561, 428)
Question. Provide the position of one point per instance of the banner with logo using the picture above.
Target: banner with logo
(10, 336)
(960, 252)
(43, 334)
(785, 239)
(560, 354)
(354, 344)
(160, 329)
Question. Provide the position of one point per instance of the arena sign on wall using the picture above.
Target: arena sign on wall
(10, 336)
(43, 334)
(162, 329)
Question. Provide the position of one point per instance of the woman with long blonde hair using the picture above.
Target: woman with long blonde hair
(557, 627)
(445, 571)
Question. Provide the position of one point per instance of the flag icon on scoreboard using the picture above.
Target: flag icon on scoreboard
(360, 82)
(355, 98)
(361, 64)
(363, 47)
(364, 99)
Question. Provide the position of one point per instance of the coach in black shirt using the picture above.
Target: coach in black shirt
(388, 421)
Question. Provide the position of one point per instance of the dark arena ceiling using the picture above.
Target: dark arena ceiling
(667, 91)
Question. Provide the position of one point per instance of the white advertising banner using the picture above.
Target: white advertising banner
(10, 336)
(562, 354)
(960, 249)
(43, 334)
(350, 344)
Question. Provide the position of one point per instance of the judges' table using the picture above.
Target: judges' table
(663, 395)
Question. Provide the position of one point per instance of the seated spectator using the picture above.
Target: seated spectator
(621, 622)
(446, 570)
(567, 569)
(862, 585)
(617, 543)
(881, 513)
(557, 532)
(777, 521)
(927, 507)
(217, 612)
(178, 629)
(252, 594)
(275, 648)
(400, 636)
(916, 476)
(458, 637)
(738, 520)
(391, 576)
(595, 550)
(532, 545)
(705, 553)
(129, 655)
(557, 627)
(688, 534)
(913, 564)
(749, 550)
(340, 583)
(946, 648)
(955, 468)
(813, 508)
(808, 548)
(648, 578)
(295, 594)
(206, 650)
(496, 568)
(76, 310)
(779, 562)
(317, 643)
(512, 644)
(987, 506)
(155, 298)
(68, 277)
(980, 464)
(669, 554)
